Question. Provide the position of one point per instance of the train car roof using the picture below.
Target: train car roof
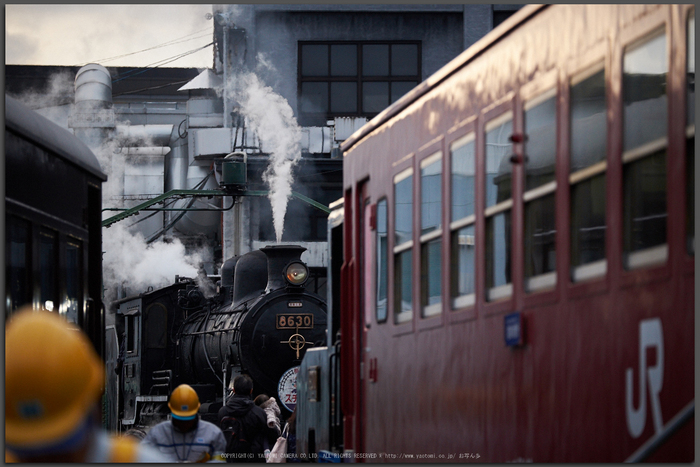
(23, 120)
(443, 73)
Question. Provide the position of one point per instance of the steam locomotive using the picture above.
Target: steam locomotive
(258, 319)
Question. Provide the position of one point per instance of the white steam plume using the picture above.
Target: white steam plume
(129, 259)
(271, 118)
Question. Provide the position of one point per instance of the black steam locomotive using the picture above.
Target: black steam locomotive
(258, 319)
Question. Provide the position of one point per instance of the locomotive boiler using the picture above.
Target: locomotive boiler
(258, 319)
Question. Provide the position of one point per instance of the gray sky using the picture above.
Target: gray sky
(73, 35)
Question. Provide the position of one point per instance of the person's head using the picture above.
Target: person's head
(261, 399)
(53, 383)
(243, 385)
(184, 405)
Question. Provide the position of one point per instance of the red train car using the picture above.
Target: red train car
(518, 276)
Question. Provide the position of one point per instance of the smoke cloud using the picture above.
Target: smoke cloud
(128, 259)
(270, 116)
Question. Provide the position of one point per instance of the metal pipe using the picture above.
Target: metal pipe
(145, 135)
(648, 448)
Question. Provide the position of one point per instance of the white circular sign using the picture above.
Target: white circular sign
(287, 388)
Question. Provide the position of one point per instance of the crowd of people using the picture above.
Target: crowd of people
(53, 387)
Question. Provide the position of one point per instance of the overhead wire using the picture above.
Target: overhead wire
(165, 44)
(138, 71)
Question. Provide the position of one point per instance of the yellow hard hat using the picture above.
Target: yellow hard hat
(184, 402)
(53, 378)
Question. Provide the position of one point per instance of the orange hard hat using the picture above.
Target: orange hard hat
(53, 378)
(184, 402)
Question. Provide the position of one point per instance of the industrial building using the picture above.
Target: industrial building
(329, 67)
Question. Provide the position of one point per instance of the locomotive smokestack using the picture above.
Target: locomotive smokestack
(279, 256)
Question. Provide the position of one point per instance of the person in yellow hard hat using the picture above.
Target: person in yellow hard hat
(53, 385)
(186, 438)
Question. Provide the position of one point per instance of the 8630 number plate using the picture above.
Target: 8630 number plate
(295, 321)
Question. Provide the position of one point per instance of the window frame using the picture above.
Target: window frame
(503, 293)
(548, 280)
(379, 256)
(398, 250)
(599, 268)
(359, 79)
(428, 311)
(460, 302)
(657, 255)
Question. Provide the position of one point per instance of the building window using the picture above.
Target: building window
(540, 227)
(690, 138)
(431, 234)
(463, 161)
(588, 155)
(345, 79)
(403, 246)
(500, 14)
(645, 70)
(382, 260)
(499, 204)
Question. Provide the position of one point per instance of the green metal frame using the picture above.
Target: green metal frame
(146, 206)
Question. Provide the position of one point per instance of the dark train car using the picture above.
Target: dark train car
(259, 319)
(53, 201)
(519, 249)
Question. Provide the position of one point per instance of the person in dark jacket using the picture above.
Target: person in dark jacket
(252, 418)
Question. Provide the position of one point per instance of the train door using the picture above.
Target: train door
(353, 322)
(366, 304)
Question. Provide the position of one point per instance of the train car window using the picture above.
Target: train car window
(431, 193)
(17, 261)
(498, 207)
(155, 326)
(131, 325)
(463, 257)
(588, 165)
(645, 70)
(431, 234)
(382, 260)
(463, 176)
(74, 261)
(403, 246)
(690, 138)
(463, 171)
(431, 282)
(539, 241)
(48, 260)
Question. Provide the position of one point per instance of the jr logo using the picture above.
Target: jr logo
(650, 336)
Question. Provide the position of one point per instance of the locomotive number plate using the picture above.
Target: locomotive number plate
(295, 321)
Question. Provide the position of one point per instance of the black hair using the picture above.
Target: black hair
(242, 385)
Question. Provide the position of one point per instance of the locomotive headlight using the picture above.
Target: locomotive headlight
(296, 273)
